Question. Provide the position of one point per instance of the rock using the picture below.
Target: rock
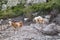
(7, 39)
(53, 14)
(35, 14)
(58, 39)
(50, 29)
(57, 19)
(58, 29)
(46, 21)
(29, 32)
(35, 1)
(58, 34)
(11, 3)
(48, 16)
(4, 6)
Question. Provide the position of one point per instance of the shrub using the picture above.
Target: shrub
(12, 12)
(42, 8)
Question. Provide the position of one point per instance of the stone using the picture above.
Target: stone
(4, 6)
(58, 28)
(29, 32)
(50, 29)
(11, 3)
(57, 19)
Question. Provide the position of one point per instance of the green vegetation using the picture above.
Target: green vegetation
(40, 7)
(45, 7)
(12, 12)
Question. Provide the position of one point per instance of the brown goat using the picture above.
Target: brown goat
(41, 21)
(16, 24)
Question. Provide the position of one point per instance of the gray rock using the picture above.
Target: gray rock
(57, 19)
(27, 33)
(58, 39)
(58, 28)
(4, 6)
(50, 29)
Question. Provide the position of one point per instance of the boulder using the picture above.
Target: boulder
(58, 28)
(50, 29)
(53, 14)
(57, 19)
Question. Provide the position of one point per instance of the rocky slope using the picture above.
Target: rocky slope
(31, 32)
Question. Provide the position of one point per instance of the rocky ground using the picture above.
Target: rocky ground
(31, 32)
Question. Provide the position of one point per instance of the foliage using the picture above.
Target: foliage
(42, 8)
(12, 12)
(2, 2)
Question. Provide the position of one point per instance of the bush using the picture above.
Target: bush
(45, 8)
(12, 12)
(42, 8)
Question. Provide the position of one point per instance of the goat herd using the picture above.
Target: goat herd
(38, 19)
(50, 28)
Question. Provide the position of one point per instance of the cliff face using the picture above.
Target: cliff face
(11, 3)
(38, 1)
(15, 2)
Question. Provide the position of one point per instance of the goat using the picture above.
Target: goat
(16, 24)
(42, 20)
(38, 19)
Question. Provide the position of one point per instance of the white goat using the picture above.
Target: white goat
(38, 19)
(42, 20)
